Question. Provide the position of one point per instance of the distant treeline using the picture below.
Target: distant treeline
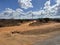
(49, 19)
(24, 20)
(17, 22)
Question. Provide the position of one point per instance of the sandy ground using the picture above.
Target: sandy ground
(52, 38)
(38, 36)
(55, 40)
(26, 27)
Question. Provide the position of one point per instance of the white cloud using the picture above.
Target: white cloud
(19, 10)
(47, 4)
(10, 13)
(7, 13)
(52, 11)
(17, 14)
(47, 11)
(57, 7)
(58, 1)
(25, 4)
(8, 10)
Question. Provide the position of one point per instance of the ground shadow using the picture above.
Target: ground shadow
(10, 22)
(36, 31)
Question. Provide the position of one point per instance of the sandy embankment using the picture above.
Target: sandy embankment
(38, 36)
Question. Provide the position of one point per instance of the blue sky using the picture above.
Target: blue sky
(8, 4)
(14, 4)
(39, 8)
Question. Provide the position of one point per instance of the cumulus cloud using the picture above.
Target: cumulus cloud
(56, 8)
(58, 1)
(15, 14)
(11, 14)
(52, 11)
(7, 13)
(47, 11)
(25, 4)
